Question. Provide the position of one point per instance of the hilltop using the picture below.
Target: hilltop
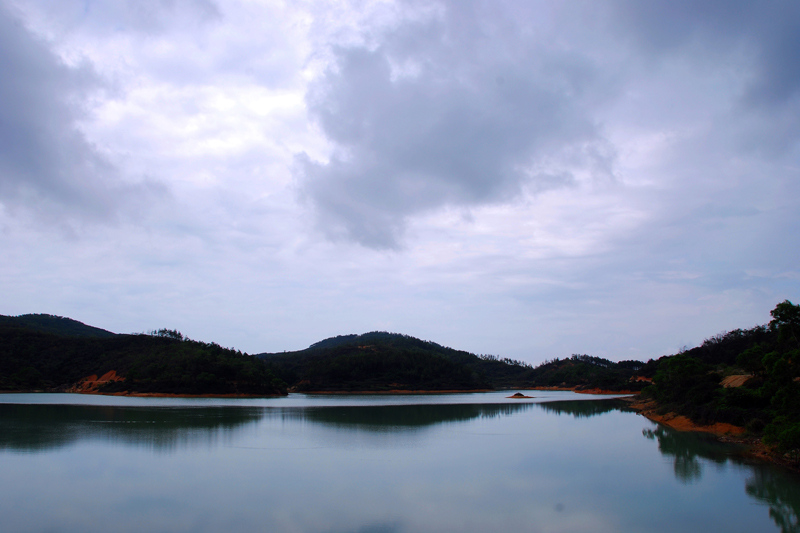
(57, 325)
(45, 352)
(382, 361)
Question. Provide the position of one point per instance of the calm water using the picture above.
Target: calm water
(371, 464)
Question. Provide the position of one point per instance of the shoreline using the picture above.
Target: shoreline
(176, 395)
(144, 394)
(649, 408)
(754, 447)
(623, 392)
(91, 389)
(397, 392)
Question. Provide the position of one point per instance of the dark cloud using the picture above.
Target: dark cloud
(462, 110)
(485, 100)
(46, 164)
(764, 35)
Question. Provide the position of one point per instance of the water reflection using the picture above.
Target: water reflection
(778, 489)
(376, 528)
(394, 418)
(686, 449)
(339, 469)
(781, 493)
(584, 408)
(42, 427)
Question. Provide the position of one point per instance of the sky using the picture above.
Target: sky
(525, 178)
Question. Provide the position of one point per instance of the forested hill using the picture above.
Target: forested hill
(378, 361)
(42, 352)
(762, 390)
(390, 361)
(56, 325)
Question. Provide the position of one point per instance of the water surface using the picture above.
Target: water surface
(560, 462)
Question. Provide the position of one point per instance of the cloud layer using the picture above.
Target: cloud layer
(463, 108)
(47, 166)
(525, 178)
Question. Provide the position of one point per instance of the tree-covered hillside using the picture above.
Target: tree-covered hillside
(378, 361)
(57, 325)
(768, 402)
(164, 362)
(587, 372)
(385, 361)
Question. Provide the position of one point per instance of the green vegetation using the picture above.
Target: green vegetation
(55, 357)
(43, 352)
(389, 361)
(587, 372)
(56, 325)
(378, 361)
(768, 403)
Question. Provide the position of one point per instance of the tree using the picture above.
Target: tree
(786, 319)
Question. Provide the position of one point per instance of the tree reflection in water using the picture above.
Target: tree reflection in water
(37, 427)
(685, 449)
(584, 408)
(781, 492)
(778, 489)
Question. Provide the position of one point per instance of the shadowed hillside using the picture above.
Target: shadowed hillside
(389, 361)
(34, 357)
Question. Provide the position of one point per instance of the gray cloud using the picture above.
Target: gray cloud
(481, 102)
(46, 164)
(461, 110)
(764, 35)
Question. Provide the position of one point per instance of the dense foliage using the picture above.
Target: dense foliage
(769, 402)
(587, 372)
(378, 361)
(163, 363)
(57, 325)
(385, 361)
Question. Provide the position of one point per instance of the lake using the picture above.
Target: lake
(561, 462)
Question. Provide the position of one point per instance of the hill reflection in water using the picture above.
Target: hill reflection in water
(42, 427)
(400, 418)
(432, 464)
(584, 408)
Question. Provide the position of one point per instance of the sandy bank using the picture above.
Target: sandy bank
(649, 409)
(754, 447)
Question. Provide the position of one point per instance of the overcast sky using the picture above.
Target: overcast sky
(524, 178)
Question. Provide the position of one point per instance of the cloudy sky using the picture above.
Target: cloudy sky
(526, 178)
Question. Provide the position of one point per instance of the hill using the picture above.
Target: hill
(377, 361)
(766, 361)
(34, 357)
(390, 361)
(584, 372)
(57, 325)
